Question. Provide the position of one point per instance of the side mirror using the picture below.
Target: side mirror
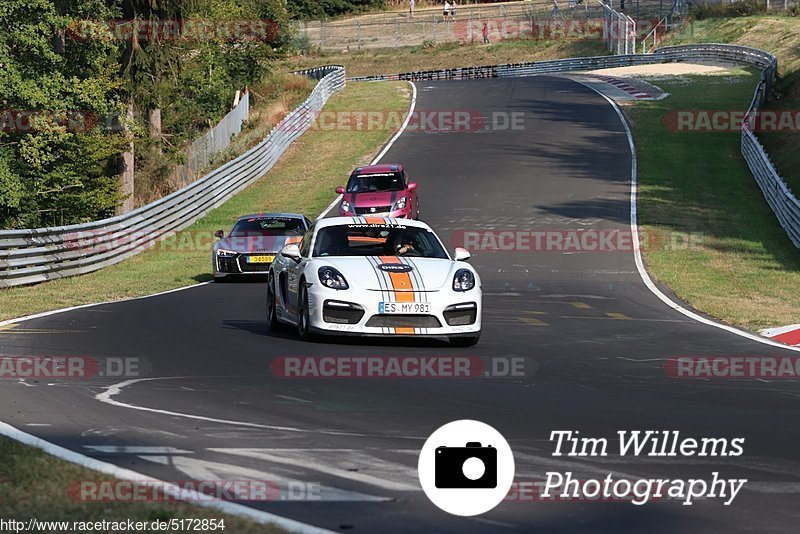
(340, 190)
(412, 186)
(291, 251)
(219, 234)
(461, 254)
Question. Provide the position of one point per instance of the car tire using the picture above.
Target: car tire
(272, 308)
(464, 341)
(303, 314)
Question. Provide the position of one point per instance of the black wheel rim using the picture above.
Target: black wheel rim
(303, 314)
(270, 302)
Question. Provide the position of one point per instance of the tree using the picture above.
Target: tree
(56, 91)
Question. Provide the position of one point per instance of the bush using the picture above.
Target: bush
(741, 8)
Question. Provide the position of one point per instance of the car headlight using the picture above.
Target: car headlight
(332, 278)
(399, 204)
(222, 253)
(345, 206)
(464, 280)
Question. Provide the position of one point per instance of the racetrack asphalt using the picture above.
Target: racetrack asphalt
(593, 337)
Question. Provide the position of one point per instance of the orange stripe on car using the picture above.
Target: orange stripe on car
(403, 289)
(375, 220)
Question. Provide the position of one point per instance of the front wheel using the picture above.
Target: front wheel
(465, 341)
(272, 306)
(303, 314)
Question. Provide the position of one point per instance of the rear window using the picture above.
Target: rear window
(385, 181)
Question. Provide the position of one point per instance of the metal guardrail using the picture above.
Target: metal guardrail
(784, 204)
(36, 255)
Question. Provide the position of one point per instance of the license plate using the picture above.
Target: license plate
(260, 259)
(404, 307)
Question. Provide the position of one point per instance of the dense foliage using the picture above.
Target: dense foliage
(318, 9)
(71, 70)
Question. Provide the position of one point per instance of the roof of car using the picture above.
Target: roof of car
(338, 221)
(267, 215)
(384, 167)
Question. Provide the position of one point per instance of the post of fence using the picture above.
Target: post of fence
(358, 34)
(395, 33)
(434, 29)
(321, 34)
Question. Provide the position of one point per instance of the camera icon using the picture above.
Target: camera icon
(466, 480)
(473, 466)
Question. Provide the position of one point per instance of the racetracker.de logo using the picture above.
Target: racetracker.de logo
(705, 120)
(733, 367)
(195, 30)
(180, 490)
(436, 121)
(401, 367)
(71, 367)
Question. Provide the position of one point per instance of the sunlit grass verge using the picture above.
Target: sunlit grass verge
(779, 35)
(302, 181)
(450, 55)
(713, 239)
(36, 485)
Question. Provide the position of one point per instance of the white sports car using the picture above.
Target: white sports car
(374, 276)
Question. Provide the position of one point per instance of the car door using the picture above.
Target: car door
(295, 269)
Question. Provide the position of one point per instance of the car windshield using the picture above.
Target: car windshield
(386, 181)
(377, 240)
(268, 226)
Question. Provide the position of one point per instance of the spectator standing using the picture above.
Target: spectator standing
(411, 8)
(453, 10)
(485, 33)
(446, 12)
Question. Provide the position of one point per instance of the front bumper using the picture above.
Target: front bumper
(404, 213)
(238, 265)
(356, 312)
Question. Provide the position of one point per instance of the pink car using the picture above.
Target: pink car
(380, 191)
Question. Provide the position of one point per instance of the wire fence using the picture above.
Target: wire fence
(200, 152)
(530, 19)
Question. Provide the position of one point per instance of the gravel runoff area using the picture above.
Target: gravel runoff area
(662, 69)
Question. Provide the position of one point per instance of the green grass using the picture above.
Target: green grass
(780, 36)
(714, 240)
(302, 181)
(449, 55)
(35, 485)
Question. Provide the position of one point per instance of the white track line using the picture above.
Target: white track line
(385, 148)
(115, 389)
(71, 308)
(189, 496)
(637, 254)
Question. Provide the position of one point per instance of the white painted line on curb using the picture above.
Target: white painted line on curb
(385, 148)
(189, 496)
(637, 254)
(72, 308)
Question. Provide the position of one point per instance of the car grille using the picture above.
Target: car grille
(227, 265)
(377, 209)
(253, 267)
(341, 313)
(461, 314)
(404, 321)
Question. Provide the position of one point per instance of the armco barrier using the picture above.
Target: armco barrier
(37, 255)
(785, 205)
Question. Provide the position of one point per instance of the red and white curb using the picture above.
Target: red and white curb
(623, 86)
(789, 335)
